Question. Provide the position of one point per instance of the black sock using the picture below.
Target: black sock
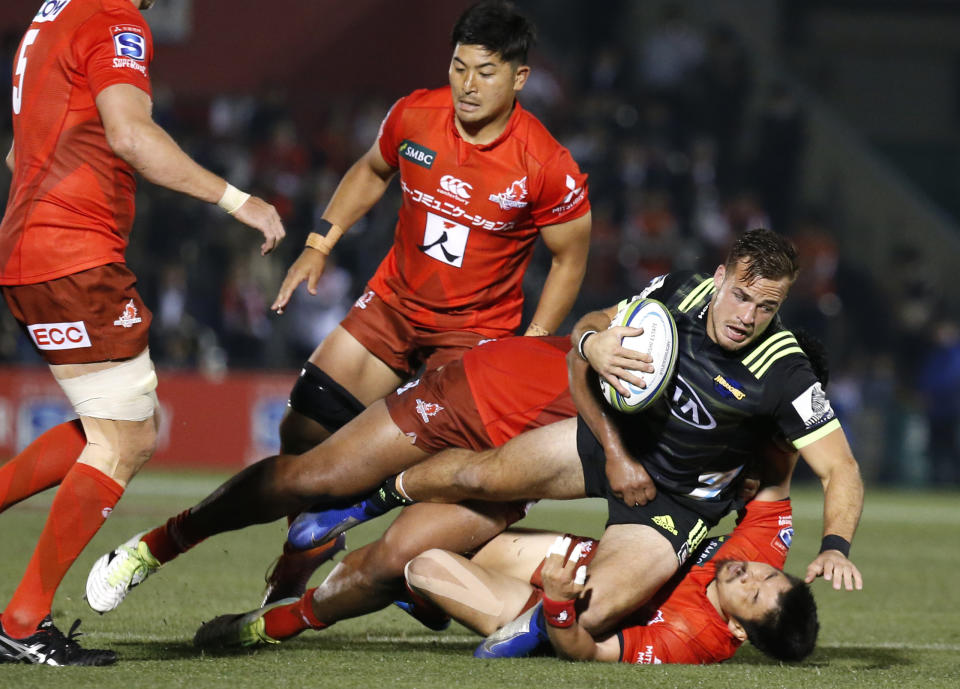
(385, 498)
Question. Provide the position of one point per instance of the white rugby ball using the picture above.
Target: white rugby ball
(659, 340)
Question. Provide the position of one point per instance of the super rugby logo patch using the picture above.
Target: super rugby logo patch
(784, 540)
(417, 154)
(128, 42)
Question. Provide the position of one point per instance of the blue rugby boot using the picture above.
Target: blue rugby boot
(517, 639)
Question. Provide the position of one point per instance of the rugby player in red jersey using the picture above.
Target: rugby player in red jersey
(735, 590)
(459, 405)
(82, 127)
(481, 178)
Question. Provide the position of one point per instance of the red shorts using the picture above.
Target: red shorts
(94, 315)
(437, 411)
(385, 333)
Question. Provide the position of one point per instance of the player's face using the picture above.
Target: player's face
(483, 85)
(742, 310)
(749, 590)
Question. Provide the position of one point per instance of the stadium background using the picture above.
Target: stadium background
(834, 122)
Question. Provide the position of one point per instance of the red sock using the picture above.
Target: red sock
(43, 463)
(172, 538)
(84, 500)
(285, 621)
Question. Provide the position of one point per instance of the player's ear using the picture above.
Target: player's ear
(718, 275)
(520, 77)
(737, 629)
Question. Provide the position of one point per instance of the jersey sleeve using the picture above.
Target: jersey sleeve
(803, 410)
(563, 196)
(390, 136)
(658, 644)
(115, 48)
(763, 534)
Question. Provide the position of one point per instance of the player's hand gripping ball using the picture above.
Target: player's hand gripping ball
(659, 340)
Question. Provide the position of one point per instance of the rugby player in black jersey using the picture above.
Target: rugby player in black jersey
(671, 472)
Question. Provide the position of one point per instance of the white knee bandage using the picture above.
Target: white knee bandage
(125, 392)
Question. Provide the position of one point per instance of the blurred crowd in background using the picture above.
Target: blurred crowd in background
(684, 150)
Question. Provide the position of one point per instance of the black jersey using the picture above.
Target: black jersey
(721, 407)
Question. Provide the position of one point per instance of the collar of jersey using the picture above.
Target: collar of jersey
(511, 123)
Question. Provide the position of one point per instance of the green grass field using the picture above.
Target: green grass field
(902, 630)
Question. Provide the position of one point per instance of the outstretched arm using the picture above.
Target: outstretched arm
(569, 243)
(833, 462)
(362, 186)
(133, 136)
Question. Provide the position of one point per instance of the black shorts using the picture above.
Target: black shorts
(683, 521)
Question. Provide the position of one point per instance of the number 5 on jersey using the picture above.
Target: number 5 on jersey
(28, 40)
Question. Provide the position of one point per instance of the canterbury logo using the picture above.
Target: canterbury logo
(665, 522)
(455, 187)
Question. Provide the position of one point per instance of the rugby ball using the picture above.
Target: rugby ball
(659, 340)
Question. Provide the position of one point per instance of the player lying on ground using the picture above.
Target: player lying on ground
(694, 441)
(460, 405)
(734, 591)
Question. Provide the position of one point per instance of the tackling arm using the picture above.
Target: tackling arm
(133, 136)
(831, 459)
(569, 243)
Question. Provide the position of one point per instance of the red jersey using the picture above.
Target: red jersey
(687, 628)
(519, 383)
(71, 201)
(470, 214)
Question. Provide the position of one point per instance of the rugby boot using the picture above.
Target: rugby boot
(238, 630)
(291, 572)
(49, 646)
(517, 639)
(115, 573)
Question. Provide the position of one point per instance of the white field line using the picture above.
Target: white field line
(463, 639)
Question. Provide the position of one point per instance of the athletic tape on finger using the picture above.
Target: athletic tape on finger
(581, 576)
(577, 551)
(559, 546)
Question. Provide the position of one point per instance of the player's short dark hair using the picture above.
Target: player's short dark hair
(789, 632)
(767, 254)
(498, 27)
